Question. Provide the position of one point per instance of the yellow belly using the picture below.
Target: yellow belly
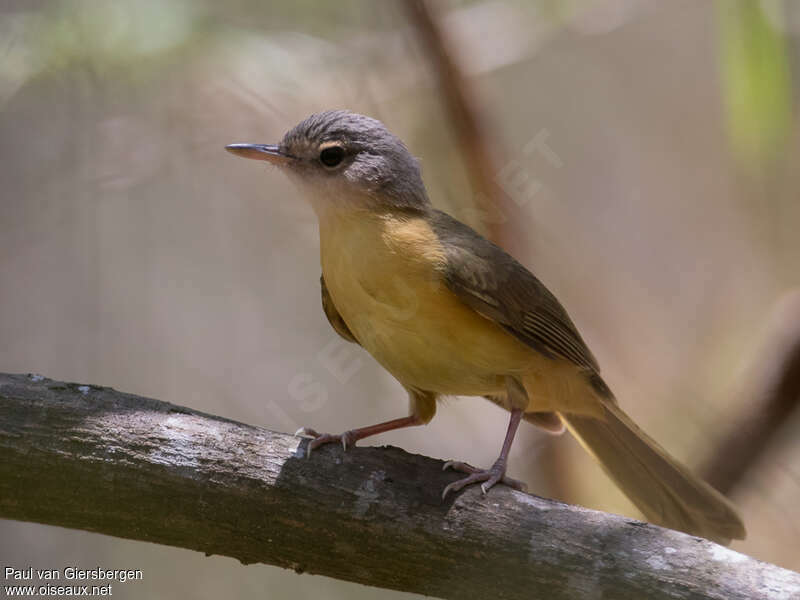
(385, 278)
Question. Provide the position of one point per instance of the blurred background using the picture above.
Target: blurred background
(646, 151)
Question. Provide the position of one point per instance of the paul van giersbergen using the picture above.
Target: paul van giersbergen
(74, 574)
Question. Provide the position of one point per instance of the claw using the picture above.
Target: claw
(489, 477)
(318, 439)
(487, 485)
(306, 432)
(448, 489)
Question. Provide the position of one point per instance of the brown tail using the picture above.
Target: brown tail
(666, 492)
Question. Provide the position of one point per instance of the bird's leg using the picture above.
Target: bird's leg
(422, 406)
(350, 437)
(497, 472)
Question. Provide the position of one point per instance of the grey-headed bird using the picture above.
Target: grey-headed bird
(448, 313)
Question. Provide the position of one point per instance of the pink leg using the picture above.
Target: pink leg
(497, 472)
(349, 438)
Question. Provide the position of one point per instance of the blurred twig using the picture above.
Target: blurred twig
(481, 152)
(92, 458)
(774, 386)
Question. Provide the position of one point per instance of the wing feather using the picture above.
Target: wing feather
(494, 284)
(334, 318)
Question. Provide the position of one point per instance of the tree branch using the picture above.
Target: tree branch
(92, 458)
(482, 154)
(772, 387)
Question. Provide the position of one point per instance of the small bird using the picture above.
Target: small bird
(447, 313)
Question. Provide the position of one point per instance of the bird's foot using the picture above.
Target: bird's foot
(496, 473)
(347, 439)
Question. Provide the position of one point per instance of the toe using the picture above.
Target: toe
(489, 483)
(306, 432)
(514, 483)
(476, 477)
(319, 440)
(461, 467)
(488, 477)
(348, 440)
(455, 486)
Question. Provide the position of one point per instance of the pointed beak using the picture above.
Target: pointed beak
(265, 152)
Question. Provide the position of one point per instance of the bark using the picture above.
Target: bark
(92, 458)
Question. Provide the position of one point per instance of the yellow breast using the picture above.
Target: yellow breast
(384, 274)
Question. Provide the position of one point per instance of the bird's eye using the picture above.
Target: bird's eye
(331, 156)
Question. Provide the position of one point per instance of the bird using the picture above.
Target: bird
(449, 313)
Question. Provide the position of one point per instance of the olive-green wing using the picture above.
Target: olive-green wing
(494, 284)
(334, 318)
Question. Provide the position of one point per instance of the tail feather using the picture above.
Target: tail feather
(666, 492)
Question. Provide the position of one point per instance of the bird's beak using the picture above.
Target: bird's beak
(266, 152)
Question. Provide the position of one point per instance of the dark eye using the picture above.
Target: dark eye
(331, 156)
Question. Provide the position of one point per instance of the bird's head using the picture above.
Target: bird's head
(343, 159)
